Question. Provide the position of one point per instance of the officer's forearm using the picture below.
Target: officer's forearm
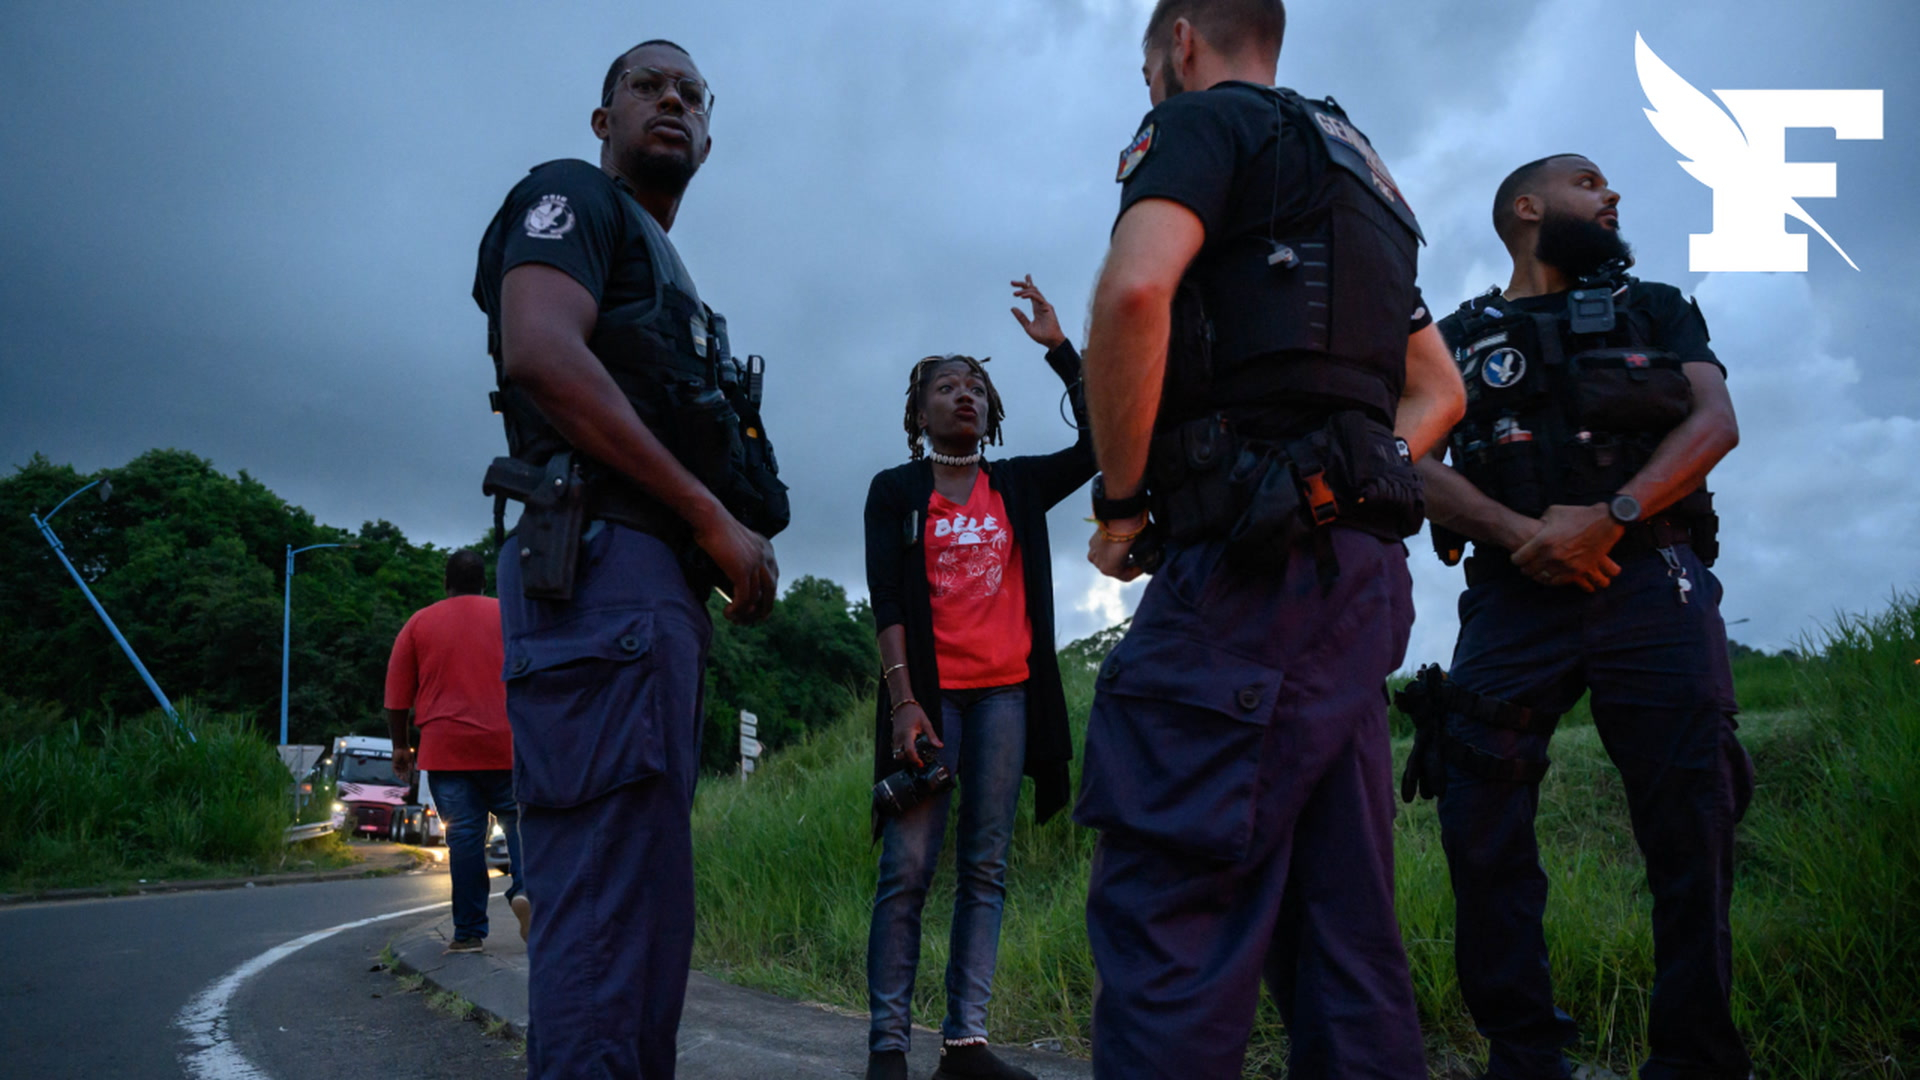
(572, 389)
(545, 320)
(1454, 503)
(1434, 399)
(1125, 362)
(1690, 451)
(1681, 462)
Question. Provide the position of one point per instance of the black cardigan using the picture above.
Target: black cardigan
(897, 586)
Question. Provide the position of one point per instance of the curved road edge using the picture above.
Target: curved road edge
(376, 864)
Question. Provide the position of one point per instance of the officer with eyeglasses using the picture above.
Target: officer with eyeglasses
(652, 483)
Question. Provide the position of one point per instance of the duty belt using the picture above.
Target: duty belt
(620, 502)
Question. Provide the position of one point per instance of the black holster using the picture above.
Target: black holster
(547, 539)
(1428, 700)
(1425, 776)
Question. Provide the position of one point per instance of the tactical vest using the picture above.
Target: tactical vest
(1309, 308)
(1564, 408)
(669, 355)
(1288, 356)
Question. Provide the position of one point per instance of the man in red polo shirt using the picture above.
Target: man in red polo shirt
(446, 668)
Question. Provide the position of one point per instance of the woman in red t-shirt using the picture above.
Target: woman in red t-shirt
(960, 578)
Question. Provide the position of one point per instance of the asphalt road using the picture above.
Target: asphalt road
(98, 988)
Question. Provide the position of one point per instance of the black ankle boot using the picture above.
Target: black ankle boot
(887, 1065)
(975, 1062)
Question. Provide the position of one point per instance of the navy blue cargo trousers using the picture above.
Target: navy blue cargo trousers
(604, 694)
(1663, 703)
(1239, 771)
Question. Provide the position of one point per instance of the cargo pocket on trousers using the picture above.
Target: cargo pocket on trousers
(1174, 744)
(579, 698)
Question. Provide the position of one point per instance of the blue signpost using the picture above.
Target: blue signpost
(286, 632)
(59, 550)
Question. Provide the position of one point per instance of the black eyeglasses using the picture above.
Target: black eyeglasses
(650, 83)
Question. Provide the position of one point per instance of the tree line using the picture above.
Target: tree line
(189, 563)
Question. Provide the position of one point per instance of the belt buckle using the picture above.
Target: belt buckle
(1321, 504)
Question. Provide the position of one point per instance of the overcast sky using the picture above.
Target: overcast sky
(248, 230)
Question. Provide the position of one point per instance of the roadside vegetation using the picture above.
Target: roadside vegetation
(112, 804)
(190, 562)
(1826, 916)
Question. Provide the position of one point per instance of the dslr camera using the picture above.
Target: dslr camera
(895, 795)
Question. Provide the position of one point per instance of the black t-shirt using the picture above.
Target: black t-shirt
(1668, 320)
(1214, 152)
(569, 215)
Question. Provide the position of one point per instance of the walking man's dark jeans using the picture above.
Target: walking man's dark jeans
(464, 798)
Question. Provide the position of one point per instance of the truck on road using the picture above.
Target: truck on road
(376, 802)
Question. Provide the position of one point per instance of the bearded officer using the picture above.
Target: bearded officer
(1237, 758)
(637, 449)
(1595, 411)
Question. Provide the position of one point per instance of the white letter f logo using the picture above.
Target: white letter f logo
(1743, 158)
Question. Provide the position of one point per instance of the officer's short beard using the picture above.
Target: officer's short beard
(1169, 78)
(1578, 246)
(668, 174)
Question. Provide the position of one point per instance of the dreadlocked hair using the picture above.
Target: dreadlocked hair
(917, 385)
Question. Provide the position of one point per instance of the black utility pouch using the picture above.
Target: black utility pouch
(1194, 498)
(1272, 521)
(708, 430)
(547, 539)
(1515, 468)
(1388, 494)
(1630, 390)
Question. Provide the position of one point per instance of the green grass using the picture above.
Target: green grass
(109, 804)
(1826, 915)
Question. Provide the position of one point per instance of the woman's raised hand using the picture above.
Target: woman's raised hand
(1043, 326)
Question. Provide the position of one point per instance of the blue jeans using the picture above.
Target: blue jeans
(464, 798)
(988, 741)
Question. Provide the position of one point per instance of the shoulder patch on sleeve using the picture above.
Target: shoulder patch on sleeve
(1135, 153)
(550, 218)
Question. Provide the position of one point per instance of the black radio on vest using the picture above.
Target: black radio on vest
(1287, 356)
(1564, 408)
(669, 355)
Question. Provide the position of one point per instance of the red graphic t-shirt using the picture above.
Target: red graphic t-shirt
(980, 630)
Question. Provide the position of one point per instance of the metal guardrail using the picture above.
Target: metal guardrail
(297, 833)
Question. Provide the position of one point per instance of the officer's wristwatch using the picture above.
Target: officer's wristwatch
(1624, 509)
(1105, 509)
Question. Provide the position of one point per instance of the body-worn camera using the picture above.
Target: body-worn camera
(895, 795)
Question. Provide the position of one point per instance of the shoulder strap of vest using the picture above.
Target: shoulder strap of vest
(1477, 313)
(670, 275)
(664, 257)
(1349, 149)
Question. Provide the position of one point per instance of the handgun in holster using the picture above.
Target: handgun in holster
(547, 539)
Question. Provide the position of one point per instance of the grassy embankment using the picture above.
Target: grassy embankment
(1826, 916)
(86, 804)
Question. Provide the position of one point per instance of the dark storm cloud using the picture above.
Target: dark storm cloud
(248, 230)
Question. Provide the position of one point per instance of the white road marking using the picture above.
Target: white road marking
(204, 1019)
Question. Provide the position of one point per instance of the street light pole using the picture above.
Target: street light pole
(286, 632)
(59, 550)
